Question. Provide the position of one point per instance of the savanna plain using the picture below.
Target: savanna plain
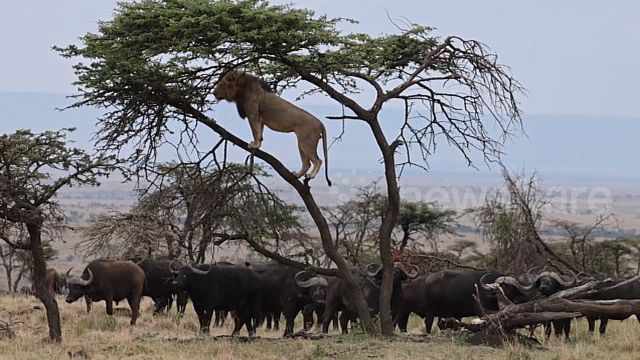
(168, 336)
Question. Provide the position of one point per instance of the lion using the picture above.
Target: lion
(256, 101)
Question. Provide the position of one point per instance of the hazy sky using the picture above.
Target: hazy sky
(574, 57)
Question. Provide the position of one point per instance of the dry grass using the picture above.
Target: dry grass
(171, 337)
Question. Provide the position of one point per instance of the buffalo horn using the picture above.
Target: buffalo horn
(311, 282)
(373, 270)
(200, 272)
(557, 277)
(415, 271)
(483, 284)
(77, 280)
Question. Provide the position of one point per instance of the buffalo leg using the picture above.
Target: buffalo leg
(169, 300)
(307, 316)
(289, 317)
(592, 323)
(428, 323)
(206, 323)
(345, 316)
(330, 312)
(109, 302)
(240, 321)
(88, 303)
(134, 304)
(276, 320)
(402, 320)
(181, 302)
(319, 315)
(160, 305)
(567, 328)
(201, 311)
(603, 325)
(547, 329)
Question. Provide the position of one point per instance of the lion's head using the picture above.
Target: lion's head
(228, 84)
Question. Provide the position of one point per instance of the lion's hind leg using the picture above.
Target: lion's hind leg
(306, 163)
(308, 145)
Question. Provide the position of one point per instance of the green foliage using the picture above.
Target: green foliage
(426, 220)
(154, 57)
(189, 209)
(356, 224)
(33, 167)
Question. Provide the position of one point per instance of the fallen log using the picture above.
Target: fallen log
(566, 304)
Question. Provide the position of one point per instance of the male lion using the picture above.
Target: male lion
(255, 101)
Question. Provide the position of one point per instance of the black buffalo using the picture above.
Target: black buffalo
(159, 285)
(549, 283)
(215, 287)
(626, 291)
(528, 287)
(445, 294)
(289, 290)
(109, 280)
(544, 284)
(369, 283)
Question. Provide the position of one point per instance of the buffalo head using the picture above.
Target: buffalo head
(549, 282)
(399, 274)
(77, 286)
(315, 286)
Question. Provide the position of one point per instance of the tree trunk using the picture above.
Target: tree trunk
(405, 240)
(386, 228)
(16, 282)
(41, 292)
(7, 271)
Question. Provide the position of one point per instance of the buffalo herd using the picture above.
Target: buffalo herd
(254, 293)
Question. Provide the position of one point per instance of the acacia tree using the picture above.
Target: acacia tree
(425, 220)
(33, 168)
(153, 66)
(191, 211)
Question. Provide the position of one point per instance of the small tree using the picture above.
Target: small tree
(33, 168)
(190, 210)
(581, 242)
(510, 222)
(634, 244)
(425, 220)
(617, 250)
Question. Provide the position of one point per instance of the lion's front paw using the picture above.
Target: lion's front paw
(296, 174)
(255, 145)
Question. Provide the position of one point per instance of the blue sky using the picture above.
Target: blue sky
(576, 59)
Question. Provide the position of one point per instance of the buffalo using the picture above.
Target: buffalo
(215, 287)
(337, 300)
(546, 283)
(444, 294)
(289, 290)
(109, 280)
(53, 282)
(629, 291)
(158, 285)
(549, 283)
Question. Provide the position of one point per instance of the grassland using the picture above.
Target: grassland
(172, 337)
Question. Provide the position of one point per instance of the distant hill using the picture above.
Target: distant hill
(556, 146)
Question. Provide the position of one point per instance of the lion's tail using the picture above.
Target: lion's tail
(326, 154)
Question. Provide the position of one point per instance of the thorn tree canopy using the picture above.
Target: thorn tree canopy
(154, 65)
